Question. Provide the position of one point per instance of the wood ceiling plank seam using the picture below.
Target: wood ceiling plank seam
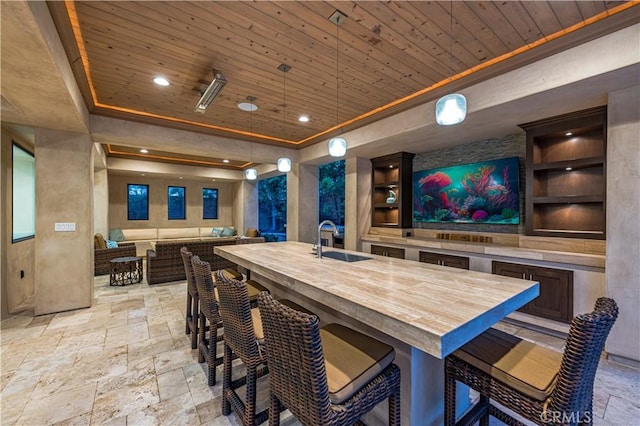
(544, 17)
(467, 40)
(491, 16)
(366, 22)
(521, 21)
(590, 8)
(357, 55)
(566, 12)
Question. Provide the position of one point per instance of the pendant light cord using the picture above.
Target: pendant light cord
(451, 44)
(337, 71)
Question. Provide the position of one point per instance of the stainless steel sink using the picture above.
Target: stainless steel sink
(346, 257)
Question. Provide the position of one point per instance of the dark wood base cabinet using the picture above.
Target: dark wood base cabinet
(556, 289)
(398, 253)
(444, 260)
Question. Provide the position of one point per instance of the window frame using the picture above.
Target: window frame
(184, 202)
(217, 213)
(14, 144)
(129, 185)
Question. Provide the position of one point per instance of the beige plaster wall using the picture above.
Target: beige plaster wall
(64, 194)
(17, 293)
(158, 202)
(101, 202)
(623, 226)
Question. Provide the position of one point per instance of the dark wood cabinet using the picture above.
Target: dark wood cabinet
(396, 252)
(391, 186)
(555, 301)
(566, 159)
(444, 260)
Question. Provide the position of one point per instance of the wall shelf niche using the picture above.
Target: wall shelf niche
(566, 169)
(391, 176)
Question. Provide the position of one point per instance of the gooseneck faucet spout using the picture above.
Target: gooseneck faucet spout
(335, 232)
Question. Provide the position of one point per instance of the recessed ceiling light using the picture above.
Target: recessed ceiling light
(213, 180)
(180, 177)
(161, 81)
(568, 169)
(568, 134)
(247, 106)
(303, 118)
(142, 174)
(225, 161)
(144, 151)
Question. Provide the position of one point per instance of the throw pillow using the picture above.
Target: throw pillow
(252, 232)
(99, 242)
(112, 244)
(228, 231)
(216, 232)
(116, 234)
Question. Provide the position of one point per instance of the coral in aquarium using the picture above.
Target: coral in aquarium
(478, 183)
(480, 216)
(441, 214)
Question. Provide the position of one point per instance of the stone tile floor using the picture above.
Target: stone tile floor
(127, 361)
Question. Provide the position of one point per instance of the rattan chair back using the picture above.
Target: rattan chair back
(587, 335)
(235, 310)
(188, 270)
(206, 287)
(297, 373)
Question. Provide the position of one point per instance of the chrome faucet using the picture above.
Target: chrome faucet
(335, 232)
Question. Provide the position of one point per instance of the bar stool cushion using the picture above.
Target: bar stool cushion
(254, 287)
(232, 274)
(522, 365)
(352, 360)
(257, 325)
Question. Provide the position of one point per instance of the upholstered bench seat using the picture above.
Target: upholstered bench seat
(352, 360)
(523, 365)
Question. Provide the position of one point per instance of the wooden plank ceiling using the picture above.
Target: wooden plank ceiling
(383, 52)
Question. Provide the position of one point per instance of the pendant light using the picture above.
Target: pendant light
(337, 145)
(284, 163)
(251, 173)
(452, 108)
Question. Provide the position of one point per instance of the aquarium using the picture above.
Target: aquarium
(485, 192)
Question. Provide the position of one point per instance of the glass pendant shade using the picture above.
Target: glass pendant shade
(337, 147)
(451, 109)
(284, 165)
(251, 174)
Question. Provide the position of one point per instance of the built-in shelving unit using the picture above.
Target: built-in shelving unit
(391, 185)
(566, 161)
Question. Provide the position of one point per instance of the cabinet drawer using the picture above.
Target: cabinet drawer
(452, 261)
(398, 253)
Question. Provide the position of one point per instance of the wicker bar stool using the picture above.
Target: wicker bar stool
(325, 376)
(539, 384)
(242, 332)
(208, 314)
(191, 318)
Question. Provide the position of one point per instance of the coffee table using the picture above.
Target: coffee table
(125, 270)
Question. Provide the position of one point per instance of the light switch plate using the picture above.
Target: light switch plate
(65, 227)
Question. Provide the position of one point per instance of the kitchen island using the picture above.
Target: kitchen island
(425, 311)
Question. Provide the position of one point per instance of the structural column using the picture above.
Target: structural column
(357, 203)
(302, 203)
(245, 205)
(623, 227)
(64, 196)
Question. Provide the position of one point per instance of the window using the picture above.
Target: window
(175, 203)
(331, 192)
(272, 208)
(24, 195)
(209, 203)
(137, 202)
